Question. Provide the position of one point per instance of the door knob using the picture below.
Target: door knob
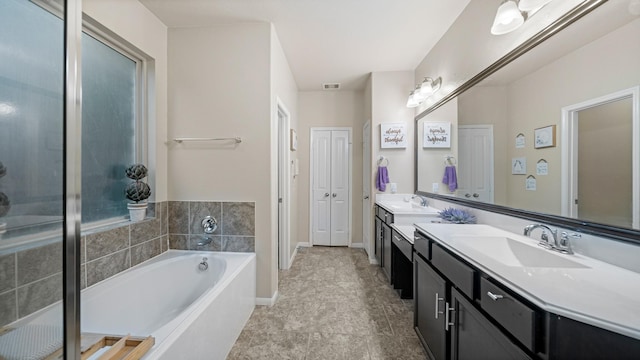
(326, 194)
(467, 195)
(334, 195)
(475, 195)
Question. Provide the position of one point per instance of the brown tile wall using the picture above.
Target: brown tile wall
(236, 225)
(32, 279)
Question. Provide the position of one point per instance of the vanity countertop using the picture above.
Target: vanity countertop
(402, 204)
(406, 231)
(574, 286)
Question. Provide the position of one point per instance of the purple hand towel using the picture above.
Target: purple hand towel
(450, 178)
(382, 179)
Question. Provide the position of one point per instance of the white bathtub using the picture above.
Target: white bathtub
(192, 314)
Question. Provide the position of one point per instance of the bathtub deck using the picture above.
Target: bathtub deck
(332, 304)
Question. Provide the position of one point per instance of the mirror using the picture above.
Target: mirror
(515, 139)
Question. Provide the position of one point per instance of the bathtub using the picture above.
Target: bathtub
(193, 314)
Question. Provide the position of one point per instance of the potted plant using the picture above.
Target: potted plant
(5, 204)
(137, 191)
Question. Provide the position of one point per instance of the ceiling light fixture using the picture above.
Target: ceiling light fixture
(423, 91)
(508, 18)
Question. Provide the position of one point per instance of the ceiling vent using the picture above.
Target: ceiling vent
(331, 86)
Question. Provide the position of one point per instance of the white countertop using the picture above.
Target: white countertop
(406, 231)
(594, 292)
(402, 204)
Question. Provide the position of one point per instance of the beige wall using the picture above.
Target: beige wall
(330, 109)
(133, 22)
(468, 47)
(220, 87)
(487, 105)
(574, 78)
(389, 105)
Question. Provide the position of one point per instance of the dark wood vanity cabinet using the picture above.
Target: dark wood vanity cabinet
(446, 320)
(402, 270)
(383, 222)
(487, 320)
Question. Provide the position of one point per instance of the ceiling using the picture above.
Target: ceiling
(328, 41)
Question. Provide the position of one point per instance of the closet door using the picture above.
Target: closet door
(340, 188)
(321, 187)
(330, 187)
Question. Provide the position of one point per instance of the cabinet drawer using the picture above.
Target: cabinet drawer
(518, 318)
(461, 275)
(421, 245)
(403, 245)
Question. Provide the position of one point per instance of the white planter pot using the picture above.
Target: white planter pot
(137, 212)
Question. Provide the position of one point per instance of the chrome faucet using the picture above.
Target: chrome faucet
(206, 241)
(423, 200)
(544, 238)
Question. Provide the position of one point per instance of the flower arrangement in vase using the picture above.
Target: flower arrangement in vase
(457, 216)
(137, 191)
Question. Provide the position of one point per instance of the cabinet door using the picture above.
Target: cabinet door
(378, 240)
(386, 250)
(429, 321)
(474, 338)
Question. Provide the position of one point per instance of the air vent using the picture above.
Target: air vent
(331, 86)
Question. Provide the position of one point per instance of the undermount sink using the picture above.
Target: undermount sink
(407, 207)
(515, 253)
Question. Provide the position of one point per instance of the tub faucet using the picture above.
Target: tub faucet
(544, 238)
(206, 241)
(423, 200)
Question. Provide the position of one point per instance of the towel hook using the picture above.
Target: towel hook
(450, 160)
(381, 159)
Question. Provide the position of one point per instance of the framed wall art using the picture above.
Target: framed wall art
(437, 135)
(544, 137)
(393, 135)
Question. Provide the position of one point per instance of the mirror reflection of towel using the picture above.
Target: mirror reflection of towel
(382, 179)
(450, 178)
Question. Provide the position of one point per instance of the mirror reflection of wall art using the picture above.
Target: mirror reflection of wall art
(520, 141)
(393, 135)
(542, 167)
(545, 137)
(530, 183)
(518, 166)
(437, 135)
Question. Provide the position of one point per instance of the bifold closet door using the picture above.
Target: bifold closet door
(330, 187)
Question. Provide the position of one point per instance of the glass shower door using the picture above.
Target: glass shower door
(32, 174)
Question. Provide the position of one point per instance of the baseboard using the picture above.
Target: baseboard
(357, 246)
(267, 301)
(293, 256)
(373, 261)
(303, 244)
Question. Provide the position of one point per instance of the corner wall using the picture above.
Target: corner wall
(220, 87)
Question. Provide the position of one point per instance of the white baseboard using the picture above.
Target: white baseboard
(303, 244)
(293, 256)
(373, 261)
(357, 246)
(267, 301)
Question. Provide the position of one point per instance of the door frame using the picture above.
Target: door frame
(569, 176)
(366, 179)
(311, 212)
(284, 184)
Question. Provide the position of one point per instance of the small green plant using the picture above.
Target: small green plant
(138, 190)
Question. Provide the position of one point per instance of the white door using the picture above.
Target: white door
(330, 184)
(366, 187)
(475, 162)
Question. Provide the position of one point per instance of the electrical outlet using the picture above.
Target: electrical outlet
(435, 187)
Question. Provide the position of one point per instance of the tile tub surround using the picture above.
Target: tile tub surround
(32, 279)
(235, 232)
(333, 305)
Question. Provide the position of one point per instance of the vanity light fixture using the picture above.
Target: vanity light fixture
(423, 91)
(508, 18)
(531, 5)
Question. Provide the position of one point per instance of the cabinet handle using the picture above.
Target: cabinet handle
(494, 297)
(447, 320)
(438, 299)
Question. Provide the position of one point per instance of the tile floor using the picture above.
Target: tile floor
(333, 305)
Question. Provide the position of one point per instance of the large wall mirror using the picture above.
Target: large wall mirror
(553, 135)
